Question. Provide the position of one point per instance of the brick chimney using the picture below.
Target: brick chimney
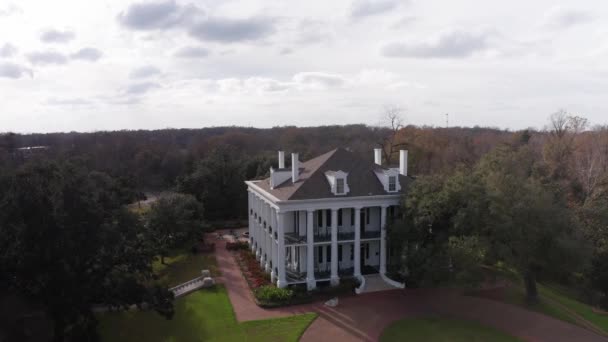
(403, 162)
(378, 156)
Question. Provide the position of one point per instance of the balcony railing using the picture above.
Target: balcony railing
(322, 237)
(374, 234)
(294, 239)
(346, 236)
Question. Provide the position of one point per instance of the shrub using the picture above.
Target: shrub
(273, 294)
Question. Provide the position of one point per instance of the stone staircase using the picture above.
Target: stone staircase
(375, 283)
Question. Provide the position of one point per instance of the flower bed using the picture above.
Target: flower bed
(237, 245)
(254, 274)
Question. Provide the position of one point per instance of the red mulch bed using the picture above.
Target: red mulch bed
(252, 271)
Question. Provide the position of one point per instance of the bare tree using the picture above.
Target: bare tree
(393, 121)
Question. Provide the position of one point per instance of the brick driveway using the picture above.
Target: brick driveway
(364, 317)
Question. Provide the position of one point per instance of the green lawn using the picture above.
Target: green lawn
(204, 315)
(181, 266)
(516, 295)
(584, 310)
(442, 329)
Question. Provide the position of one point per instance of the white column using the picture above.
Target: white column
(249, 208)
(257, 228)
(282, 282)
(310, 251)
(357, 245)
(334, 247)
(383, 240)
(273, 245)
(267, 238)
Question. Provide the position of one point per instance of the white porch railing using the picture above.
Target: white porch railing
(392, 282)
(361, 287)
(187, 287)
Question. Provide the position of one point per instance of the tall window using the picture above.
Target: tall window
(340, 186)
(328, 217)
(340, 253)
(352, 216)
(367, 215)
(339, 217)
(328, 250)
(320, 249)
(392, 183)
(320, 218)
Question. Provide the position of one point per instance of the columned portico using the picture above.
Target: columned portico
(334, 247)
(383, 240)
(282, 281)
(357, 246)
(310, 251)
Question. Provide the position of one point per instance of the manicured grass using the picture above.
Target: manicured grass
(442, 329)
(181, 266)
(516, 295)
(204, 315)
(584, 310)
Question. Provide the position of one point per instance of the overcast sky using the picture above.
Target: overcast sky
(102, 65)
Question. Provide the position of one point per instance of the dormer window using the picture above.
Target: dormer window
(339, 186)
(392, 183)
(338, 183)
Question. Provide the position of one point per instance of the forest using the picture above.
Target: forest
(533, 200)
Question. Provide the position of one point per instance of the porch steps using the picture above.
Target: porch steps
(375, 283)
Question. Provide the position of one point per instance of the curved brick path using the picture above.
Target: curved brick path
(364, 317)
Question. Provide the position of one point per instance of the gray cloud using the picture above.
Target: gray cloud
(286, 51)
(559, 17)
(144, 72)
(47, 57)
(141, 88)
(12, 70)
(87, 54)
(233, 30)
(56, 36)
(158, 15)
(366, 8)
(8, 50)
(457, 44)
(192, 52)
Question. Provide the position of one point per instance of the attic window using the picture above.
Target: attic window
(340, 186)
(392, 183)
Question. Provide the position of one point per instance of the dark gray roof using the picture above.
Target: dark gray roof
(312, 183)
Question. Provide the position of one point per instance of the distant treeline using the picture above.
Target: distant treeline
(163, 159)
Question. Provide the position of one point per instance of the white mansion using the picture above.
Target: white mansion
(325, 218)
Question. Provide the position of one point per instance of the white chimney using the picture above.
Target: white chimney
(281, 159)
(378, 156)
(403, 162)
(295, 167)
